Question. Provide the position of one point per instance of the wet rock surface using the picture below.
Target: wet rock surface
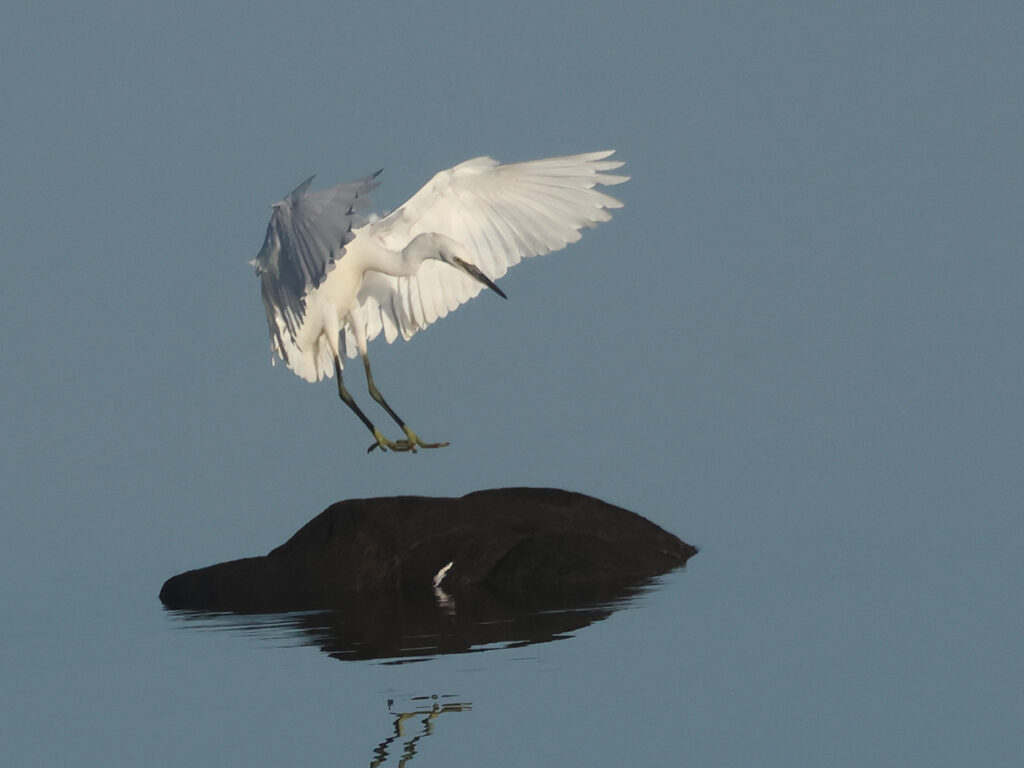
(520, 545)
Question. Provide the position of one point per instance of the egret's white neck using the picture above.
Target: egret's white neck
(406, 262)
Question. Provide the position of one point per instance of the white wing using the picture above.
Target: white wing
(501, 213)
(307, 234)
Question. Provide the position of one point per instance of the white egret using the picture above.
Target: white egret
(333, 280)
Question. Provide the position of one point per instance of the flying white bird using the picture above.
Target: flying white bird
(333, 280)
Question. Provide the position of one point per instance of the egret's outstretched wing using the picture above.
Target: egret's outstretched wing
(501, 213)
(307, 233)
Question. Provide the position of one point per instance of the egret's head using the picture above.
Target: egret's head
(470, 269)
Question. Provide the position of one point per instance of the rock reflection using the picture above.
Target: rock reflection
(395, 628)
(423, 711)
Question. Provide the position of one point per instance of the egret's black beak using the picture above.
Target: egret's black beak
(475, 273)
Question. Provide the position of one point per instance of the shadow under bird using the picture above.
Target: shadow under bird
(334, 278)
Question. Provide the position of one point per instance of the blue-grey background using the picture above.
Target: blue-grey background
(798, 346)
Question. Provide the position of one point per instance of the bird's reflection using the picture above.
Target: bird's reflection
(414, 720)
(396, 628)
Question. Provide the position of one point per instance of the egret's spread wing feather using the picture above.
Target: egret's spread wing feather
(501, 213)
(307, 233)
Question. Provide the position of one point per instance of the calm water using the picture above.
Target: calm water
(735, 660)
(797, 346)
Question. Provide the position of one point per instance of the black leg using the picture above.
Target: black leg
(412, 437)
(382, 442)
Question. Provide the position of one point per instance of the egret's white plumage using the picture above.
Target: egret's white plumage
(332, 279)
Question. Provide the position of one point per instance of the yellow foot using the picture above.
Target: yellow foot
(414, 439)
(384, 444)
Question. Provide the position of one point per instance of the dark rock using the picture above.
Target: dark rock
(520, 544)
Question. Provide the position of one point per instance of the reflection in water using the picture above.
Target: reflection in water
(424, 710)
(398, 628)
